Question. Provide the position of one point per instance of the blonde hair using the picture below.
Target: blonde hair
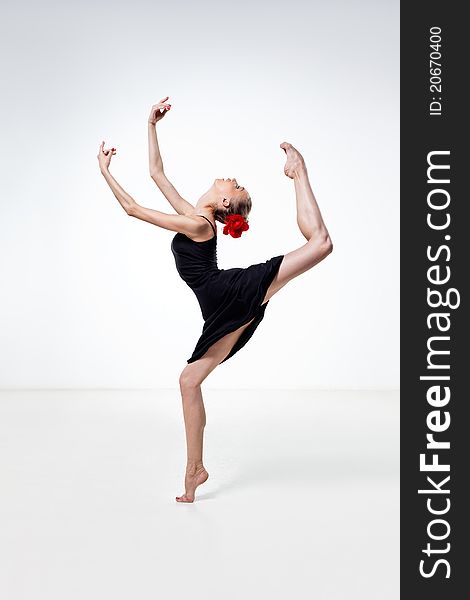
(238, 206)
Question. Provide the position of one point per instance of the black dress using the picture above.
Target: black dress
(228, 298)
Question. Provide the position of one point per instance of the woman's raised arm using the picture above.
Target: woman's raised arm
(189, 225)
(181, 205)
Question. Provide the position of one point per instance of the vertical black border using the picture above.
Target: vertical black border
(420, 134)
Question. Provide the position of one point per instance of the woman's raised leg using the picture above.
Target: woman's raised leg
(310, 222)
(190, 381)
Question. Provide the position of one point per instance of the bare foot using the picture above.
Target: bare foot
(194, 477)
(295, 160)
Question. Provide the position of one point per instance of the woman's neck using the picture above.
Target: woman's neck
(205, 204)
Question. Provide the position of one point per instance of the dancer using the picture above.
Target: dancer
(232, 301)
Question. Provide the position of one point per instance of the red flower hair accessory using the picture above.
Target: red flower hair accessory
(235, 225)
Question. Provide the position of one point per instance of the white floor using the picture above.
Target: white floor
(302, 498)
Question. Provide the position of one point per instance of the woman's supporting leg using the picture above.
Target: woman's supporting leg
(190, 381)
(194, 422)
(310, 222)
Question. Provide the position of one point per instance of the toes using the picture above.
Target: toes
(184, 498)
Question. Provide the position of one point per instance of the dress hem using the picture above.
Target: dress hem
(257, 313)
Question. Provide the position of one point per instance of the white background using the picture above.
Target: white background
(91, 297)
(303, 487)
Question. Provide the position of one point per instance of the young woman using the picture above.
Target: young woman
(232, 301)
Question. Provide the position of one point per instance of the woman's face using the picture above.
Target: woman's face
(229, 187)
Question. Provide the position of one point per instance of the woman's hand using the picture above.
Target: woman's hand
(295, 161)
(104, 157)
(158, 111)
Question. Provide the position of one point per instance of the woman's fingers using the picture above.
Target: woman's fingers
(158, 110)
(161, 107)
(104, 151)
